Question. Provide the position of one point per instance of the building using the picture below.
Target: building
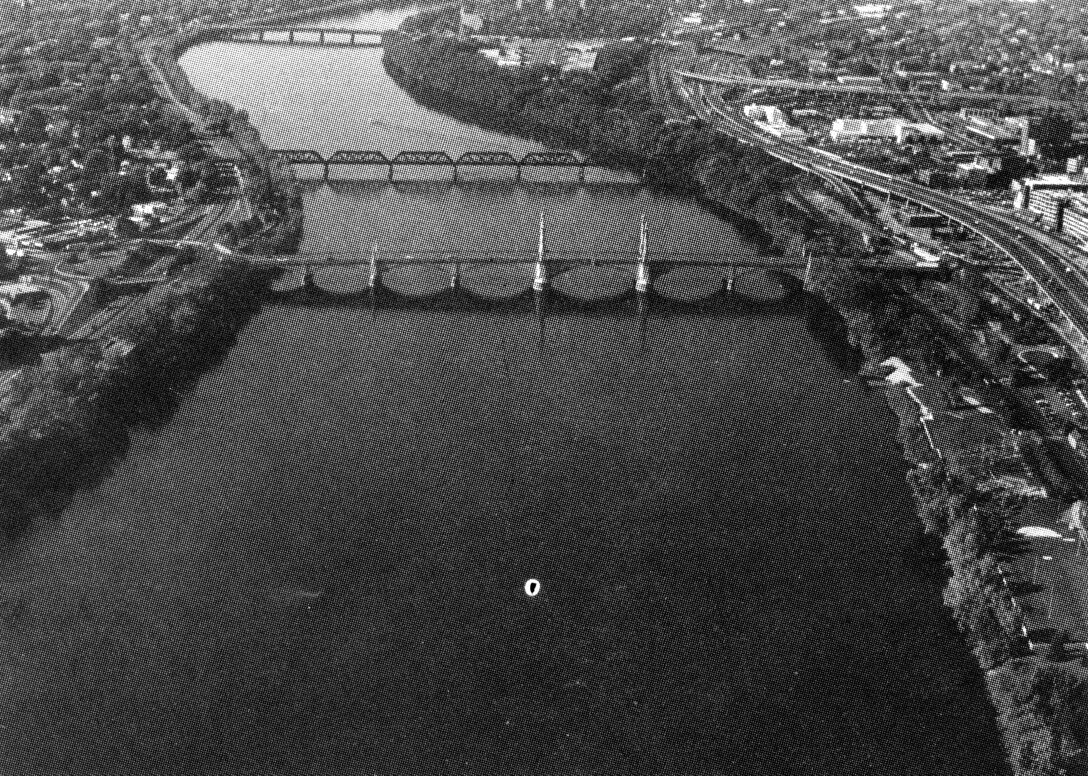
(973, 175)
(1007, 133)
(935, 179)
(1050, 206)
(872, 11)
(1028, 189)
(15, 293)
(768, 114)
(919, 133)
(982, 113)
(1075, 218)
(860, 80)
(901, 130)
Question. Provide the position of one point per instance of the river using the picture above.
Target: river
(318, 564)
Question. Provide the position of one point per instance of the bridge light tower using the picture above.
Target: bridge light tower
(375, 279)
(541, 281)
(642, 274)
(455, 274)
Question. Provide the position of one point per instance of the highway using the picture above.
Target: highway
(877, 91)
(1041, 259)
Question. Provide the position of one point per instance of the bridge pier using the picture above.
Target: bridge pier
(308, 279)
(290, 36)
(643, 283)
(541, 281)
(517, 173)
(582, 173)
(455, 170)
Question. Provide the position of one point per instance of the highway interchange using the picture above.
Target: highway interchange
(1043, 259)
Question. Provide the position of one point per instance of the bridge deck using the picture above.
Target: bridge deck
(569, 258)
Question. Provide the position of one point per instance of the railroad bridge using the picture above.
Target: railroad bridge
(470, 159)
(298, 36)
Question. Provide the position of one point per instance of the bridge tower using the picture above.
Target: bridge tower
(642, 273)
(807, 277)
(541, 280)
(455, 274)
(374, 281)
(730, 279)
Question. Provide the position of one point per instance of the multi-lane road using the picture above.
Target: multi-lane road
(1042, 258)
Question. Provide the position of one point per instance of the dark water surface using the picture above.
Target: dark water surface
(318, 564)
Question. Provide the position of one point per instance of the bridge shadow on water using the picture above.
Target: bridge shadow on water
(423, 187)
(556, 301)
(42, 476)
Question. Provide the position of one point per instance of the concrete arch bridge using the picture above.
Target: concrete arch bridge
(546, 263)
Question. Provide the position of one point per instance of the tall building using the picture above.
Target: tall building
(1075, 220)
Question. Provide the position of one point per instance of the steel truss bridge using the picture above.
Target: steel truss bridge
(298, 36)
(471, 159)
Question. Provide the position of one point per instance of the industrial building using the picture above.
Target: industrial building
(901, 130)
(1075, 218)
(1064, 184)
(770, 119)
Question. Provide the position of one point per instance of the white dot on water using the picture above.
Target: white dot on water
(532, 587)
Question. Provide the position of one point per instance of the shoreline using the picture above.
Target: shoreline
(186, 333)
(1012, 674)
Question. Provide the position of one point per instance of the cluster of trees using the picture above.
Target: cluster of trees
(608, 112)
(65, 417)
(81, 107)
(181, 335)
(566, 19)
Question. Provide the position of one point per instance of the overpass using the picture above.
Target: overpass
(1067, 291)
(296, 35)
(789, 84)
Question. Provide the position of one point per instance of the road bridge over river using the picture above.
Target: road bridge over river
(548, 263)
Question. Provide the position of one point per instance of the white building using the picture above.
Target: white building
(768, 114)
(901, 130)
(1075, 218)
(1054, 184)
(872, 10)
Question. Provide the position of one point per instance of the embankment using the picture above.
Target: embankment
(67, 414)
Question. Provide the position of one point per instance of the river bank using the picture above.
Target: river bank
(416, 466)
(1039, 736)
(66, 420)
